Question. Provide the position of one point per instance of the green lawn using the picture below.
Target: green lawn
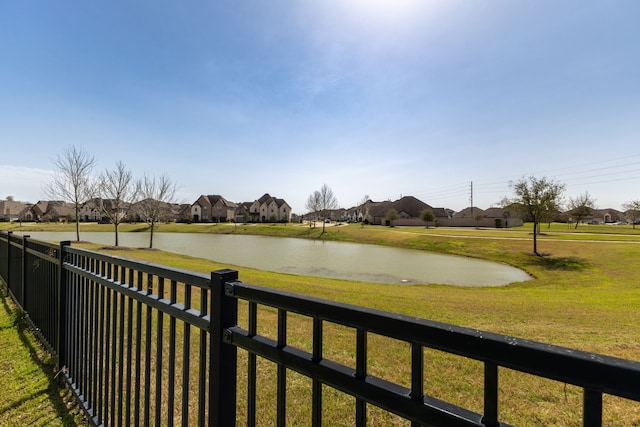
(29, 396)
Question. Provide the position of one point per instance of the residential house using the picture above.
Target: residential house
(502, 218)
(243, 213)
(181, 211)
(11, 210)
(493, 217)
(269, 209)
(408, 209)
(98, 209)
(472, 212)
(213, 208)
(605, 216)
(54, 210)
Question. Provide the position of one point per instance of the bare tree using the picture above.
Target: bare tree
(71, 180)
(118, 191)
(632, 211)
(581, 207)
(364, 205)
(313, 205)
(156, 198)
(535, 199)
(321, 202)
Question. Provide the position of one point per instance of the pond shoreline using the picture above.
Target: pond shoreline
(321, 258)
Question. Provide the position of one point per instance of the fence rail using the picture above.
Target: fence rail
(141, 344)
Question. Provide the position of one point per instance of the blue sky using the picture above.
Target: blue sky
(382, 98)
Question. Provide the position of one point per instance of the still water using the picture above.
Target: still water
(339, 260)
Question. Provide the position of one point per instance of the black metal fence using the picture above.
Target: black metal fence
(141, 344)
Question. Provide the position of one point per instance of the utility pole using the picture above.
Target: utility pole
(471, 199)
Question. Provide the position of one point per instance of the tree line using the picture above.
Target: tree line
(73, 181)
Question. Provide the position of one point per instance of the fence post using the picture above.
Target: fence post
(23, 282)
(222, 355)
(61, 344)
(8, 270)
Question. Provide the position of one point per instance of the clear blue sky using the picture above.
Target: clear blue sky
(378, 97)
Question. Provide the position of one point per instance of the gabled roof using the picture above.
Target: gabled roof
(496, 212)
(10, 207)
(440, 212)
(470, 212)
(609, 211)
(411, 206)
(266, 198)
(379, 208)
(280, 202)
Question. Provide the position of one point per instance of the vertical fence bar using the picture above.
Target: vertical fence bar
(159, 353)
(127, 409)
(173, 296)
(592, 408)
(316, 394)
(101, 326)
(86, 323)
(222, 355)
(23, 279)
(121, 345)
(147, 357)
(202, 360)
(107, 356)
(417, 375)
(186, 355)
(95, 322)
(361, 373)
(490, 418)
(252, 376)
(138, 356)
(7, 269)
(281, 411)
(63, 308)
(138, 367)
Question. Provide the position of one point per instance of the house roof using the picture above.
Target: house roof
(411, 206)
(470, 212)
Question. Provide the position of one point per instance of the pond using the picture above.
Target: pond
(338, 260)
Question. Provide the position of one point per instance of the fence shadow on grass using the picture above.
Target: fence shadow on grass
(62, 401)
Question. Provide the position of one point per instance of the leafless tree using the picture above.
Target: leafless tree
(364, 206)
(71, 180)
(156, 196)
(535, 199)
(118, 191)
(581, 207)
(313, 206)
(321, 202)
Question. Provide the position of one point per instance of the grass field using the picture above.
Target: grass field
(29, 396)
(585, 295)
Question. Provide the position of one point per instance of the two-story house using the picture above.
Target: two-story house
(213, 208)
(269, 209)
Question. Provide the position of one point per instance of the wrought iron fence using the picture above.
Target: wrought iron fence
(141, 344)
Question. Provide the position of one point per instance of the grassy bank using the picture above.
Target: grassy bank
(585, 295)
(28, 393)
